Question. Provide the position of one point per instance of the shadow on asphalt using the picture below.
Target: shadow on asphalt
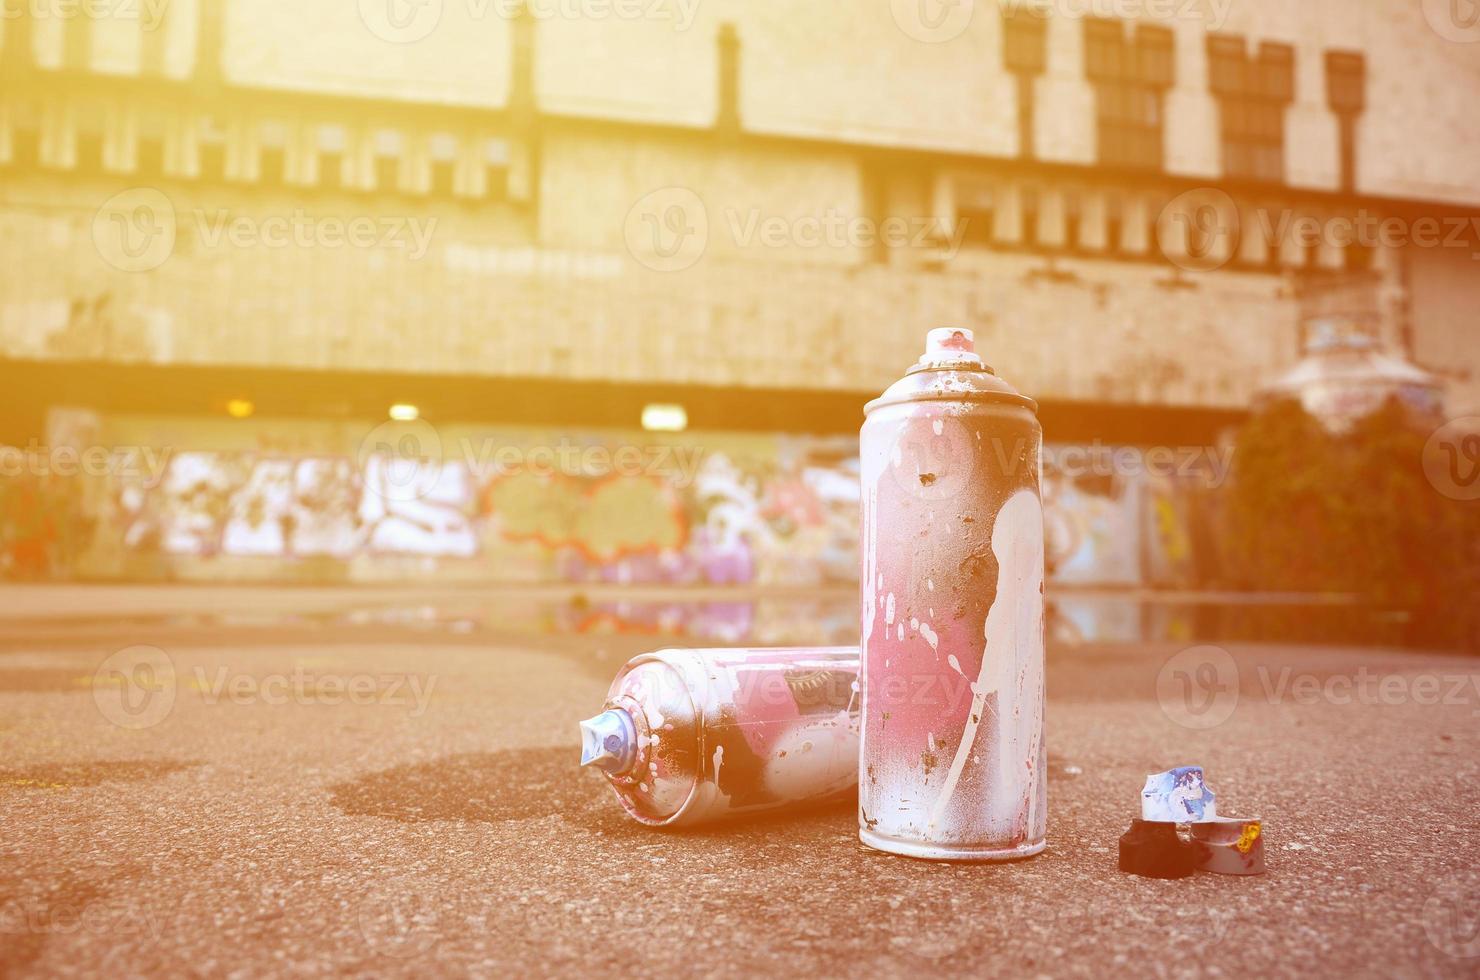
(517, 784)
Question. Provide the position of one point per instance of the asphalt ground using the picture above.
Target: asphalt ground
(394, 798)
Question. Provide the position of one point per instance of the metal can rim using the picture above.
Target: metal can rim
(1002, 397)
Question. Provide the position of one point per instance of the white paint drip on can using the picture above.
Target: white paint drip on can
(930, 637)
(1012, 668)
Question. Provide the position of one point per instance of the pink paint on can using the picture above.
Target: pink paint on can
(952, 758)
(689, 736)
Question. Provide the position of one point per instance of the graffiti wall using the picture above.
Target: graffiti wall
(262, 499)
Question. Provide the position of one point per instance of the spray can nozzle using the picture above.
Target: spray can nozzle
(950, 347)
(609, 742)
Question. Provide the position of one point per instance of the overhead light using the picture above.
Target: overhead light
(665, 418)
(405, 413)
(240, 408)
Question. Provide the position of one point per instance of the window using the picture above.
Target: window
(90, 133)
(1346, 82)
(1114, 222)
(976, 216)
(1252, 95)
(1346, 90)
(1025, 53)
(332, 143)
(1073, 214)
(496, 159)
(212, 150)
(1029, 197)
(273, 161)
(1359, 256)
(728, 116)
(1130, 79)
(150, 152)
(1024, 40)
(444, 164)
(25, 136)
(389, 148)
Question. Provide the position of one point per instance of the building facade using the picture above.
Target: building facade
(522, 216)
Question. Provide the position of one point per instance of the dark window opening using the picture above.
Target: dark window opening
(1130, 78)
(1025, 54)
(88, 140)
(728, 95)
(1024, 40)
(213, 161)
(1114, 230)
(388, 174)
(1202, 236)
(977, 221)
(1275, 256)
(1252, 94)
(977, 226)
(1030, 218)
(498, 181)
(151, 156)
(1346, 92)
(1360, 256)
(331, 171)
(90, 153)
(496, 154)
(273, 165)
(25, 147)
(1346, 82)
(444, 174)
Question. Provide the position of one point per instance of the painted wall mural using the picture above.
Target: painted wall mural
(302, 500)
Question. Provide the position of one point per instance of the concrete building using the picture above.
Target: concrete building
(557, 213)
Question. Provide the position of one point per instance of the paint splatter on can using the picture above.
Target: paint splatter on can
(695, 735)
(952, 759)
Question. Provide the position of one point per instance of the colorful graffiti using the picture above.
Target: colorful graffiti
(751, 510)
(294, 500)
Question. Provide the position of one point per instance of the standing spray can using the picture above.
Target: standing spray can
(951, 580)
(689, 736)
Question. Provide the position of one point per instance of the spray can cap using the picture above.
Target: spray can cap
(951, 370)
(609, 742)
(950, 347)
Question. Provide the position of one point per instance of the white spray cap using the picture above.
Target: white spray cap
(951, 346)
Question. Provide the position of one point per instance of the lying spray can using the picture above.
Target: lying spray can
(694, 735)
(952, 758)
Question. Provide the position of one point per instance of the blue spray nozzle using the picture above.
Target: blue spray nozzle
(609, 742)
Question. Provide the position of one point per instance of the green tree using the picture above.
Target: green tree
(1315, 511)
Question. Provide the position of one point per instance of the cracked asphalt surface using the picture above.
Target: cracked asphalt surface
(362, 794)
